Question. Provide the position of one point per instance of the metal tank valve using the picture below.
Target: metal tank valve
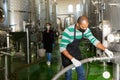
(114, 36)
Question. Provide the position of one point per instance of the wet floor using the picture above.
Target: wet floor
(39, 70)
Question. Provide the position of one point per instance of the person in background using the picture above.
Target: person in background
(69, 46)
(48, 42)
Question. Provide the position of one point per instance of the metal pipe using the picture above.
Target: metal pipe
(6, 63)
(116, 71)
(82, 62)
(28, 45)
(6, 68)
(102, 10)
(5, 53)
(6, 58)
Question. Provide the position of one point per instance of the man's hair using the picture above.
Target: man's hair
(82, 18)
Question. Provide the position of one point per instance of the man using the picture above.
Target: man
(69, 46)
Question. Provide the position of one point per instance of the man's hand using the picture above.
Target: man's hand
(76, 62)
(109, 53)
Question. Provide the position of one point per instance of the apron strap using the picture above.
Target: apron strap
(74, 32)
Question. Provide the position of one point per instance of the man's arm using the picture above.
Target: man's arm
(75, 62)
(97, 43)
(67, 54)
(108, 52)
(64, 42)
(100, 46)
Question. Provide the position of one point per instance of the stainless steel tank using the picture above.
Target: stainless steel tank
(59, 25)
(112, 13)
(107, 14)
(84, 7)
(41, 13)
(88, 8)
(19, 12)
(38, 9)
(4, 13)
(68, 21)
(53, 14)
(46, 12)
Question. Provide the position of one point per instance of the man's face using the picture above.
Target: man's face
(84, 24)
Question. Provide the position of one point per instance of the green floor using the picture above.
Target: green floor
(39, 70)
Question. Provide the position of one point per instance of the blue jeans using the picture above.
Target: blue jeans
(80, 73)
(48, 56)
